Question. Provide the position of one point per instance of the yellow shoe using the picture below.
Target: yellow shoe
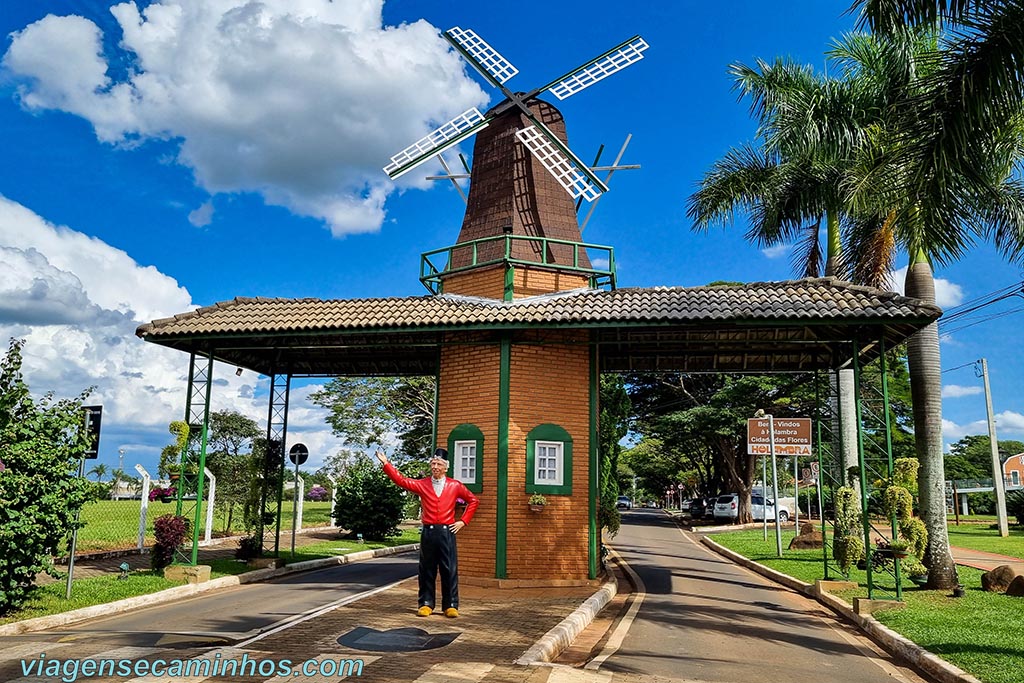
(424, 611)
(451, 613)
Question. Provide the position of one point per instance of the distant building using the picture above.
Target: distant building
(1013, 470)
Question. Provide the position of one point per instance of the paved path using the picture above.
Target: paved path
(706, 619)
(979, 559)
(702, 619)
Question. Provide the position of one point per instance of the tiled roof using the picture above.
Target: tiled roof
(823, 300)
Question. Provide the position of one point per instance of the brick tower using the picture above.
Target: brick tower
(517, 410)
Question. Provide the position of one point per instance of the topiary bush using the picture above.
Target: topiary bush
(40, 490)
(1015, 505)
(847, 546)
(368, 503)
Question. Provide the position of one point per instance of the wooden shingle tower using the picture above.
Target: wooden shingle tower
(517, 409)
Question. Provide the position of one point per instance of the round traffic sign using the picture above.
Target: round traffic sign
(298, 454)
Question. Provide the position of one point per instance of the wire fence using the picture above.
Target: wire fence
(111, 525)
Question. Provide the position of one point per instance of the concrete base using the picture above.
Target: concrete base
(864, 606)
(197, 574)
(822, 586)
(266, 562)
(528, 583)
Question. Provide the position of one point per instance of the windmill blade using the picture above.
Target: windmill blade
(448, 135)
(482, 56)
(567, 169)
(616, 59)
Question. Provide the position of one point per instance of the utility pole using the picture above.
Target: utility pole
(997, 466)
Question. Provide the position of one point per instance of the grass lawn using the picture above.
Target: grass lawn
(983, 537)
(114, 524)
(49, 599)
(980, 632)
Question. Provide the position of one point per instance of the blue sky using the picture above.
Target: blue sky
(159, 156)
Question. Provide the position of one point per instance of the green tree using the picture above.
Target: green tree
(932, 211)
(99, 471)
(613, 425)
(235, 448)
(369, 503)
(363, 410)
(971, 456)
(973, 94)
(41, 441)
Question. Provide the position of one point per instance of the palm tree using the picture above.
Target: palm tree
(979, 82)
(881, 208)
(99, 471)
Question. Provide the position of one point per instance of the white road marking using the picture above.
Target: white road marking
(298, 619)
(622, 629)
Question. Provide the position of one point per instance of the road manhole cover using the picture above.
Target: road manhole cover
(395, 640)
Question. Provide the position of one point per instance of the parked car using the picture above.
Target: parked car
(624, 503)
(727, 508)
(709, 508)
(697, 506)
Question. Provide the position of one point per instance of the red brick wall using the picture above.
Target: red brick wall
(531, 282)
(487, 282)
(469, 394)
(548, 384)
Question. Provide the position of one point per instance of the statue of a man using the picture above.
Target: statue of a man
(438, 495)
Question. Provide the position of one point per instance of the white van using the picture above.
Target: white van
(727, 508)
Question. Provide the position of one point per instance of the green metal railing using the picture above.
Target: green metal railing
(435, 265)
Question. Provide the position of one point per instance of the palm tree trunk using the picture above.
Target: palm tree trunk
(925, 391)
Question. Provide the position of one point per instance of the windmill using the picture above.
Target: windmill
(555, 156)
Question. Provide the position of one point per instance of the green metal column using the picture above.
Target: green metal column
(501, 521)
(863, 469)
(197, 416)
(888, 452)
(821, 477)
(273, 461)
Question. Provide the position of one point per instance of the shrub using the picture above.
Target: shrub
(368, 503)
(318, 493)
(40, 491)
(248, 548)
(170, 532)
(1015, 505)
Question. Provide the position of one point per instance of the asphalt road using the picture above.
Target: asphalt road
(704, 618)
(232, 615)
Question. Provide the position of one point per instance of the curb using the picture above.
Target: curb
(892, 642)
(561, 636)
(188, 590)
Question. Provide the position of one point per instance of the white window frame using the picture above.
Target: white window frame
(559, 456)
(1014, 478)
(458, 461)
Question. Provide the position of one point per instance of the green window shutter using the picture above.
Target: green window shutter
(467, 432)
(551, 433)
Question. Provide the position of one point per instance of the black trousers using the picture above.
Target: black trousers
(438, 553)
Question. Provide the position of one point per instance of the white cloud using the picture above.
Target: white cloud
(1009, 421)
(202, 216)
(947, 294)
(777, 251)
(302, 101)
(77, 301)
(957, 391)
(1009, 425)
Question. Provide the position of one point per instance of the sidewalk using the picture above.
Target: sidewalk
(979, 559)
(222, 548)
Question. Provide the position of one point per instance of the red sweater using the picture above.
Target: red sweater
(436, 509)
